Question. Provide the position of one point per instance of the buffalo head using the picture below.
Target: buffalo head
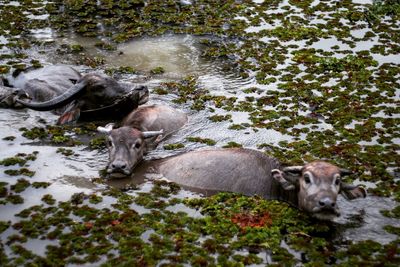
(92, 90)
(126, 147)
(318, 184)
(9, 96)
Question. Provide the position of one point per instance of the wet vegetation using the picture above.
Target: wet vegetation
(339, 103)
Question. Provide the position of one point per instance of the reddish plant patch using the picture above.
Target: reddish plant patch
(252, 220)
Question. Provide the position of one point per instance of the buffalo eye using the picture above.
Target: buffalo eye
(337, 179)
(307, 179)
(109, 143)
(137, 145)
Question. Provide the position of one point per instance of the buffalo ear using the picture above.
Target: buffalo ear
(278, 176)
(107, 129)
(351, 192)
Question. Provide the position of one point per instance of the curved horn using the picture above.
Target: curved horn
(107, 129)
(293, 169)
(344, 172)
(149, 134)
(346, 186)
(350, 191)
(58, 101)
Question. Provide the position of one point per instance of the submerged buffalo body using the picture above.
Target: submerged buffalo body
(313, 187)
(142, 130)
(63, 89)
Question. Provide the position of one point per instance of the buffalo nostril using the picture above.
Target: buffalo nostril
(326, 203)
(120, 166)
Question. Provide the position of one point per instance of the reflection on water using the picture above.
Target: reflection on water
(178, 55)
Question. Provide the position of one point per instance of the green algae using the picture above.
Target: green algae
(160, 91)
(9, 138)
(206, 141)
(21, 159)
(157, 70)
(48, 199)
(40, 184)
(218, 118)
(4, 69)
(14, 199)
(120, 70)
(3, 190)
(65, 151)
(66, 135)
(105, 46)
(360, 253)
(175, 237)
(20, 186)
(98, 143)
(173, 146)
(34, 133)
(13, 161)
(22, 171)
(394, 213)
(4, 226)
(232, 144)
(95, 199)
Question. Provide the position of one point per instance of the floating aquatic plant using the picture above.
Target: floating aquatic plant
(338, 104)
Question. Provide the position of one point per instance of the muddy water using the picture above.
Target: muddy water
(180, 56)
(67, 176)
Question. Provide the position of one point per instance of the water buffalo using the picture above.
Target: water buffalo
(313, 187)
(63, 89)
(141, 130)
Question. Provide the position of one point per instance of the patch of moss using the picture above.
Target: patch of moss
(9, 138)
(158, 70)
(105, 46)
(40, 184)
(394, 213)
(65, 151)
(206, 141)
(218, 118)
(3, 189)
(13, 161)
(160, 91)
(34, 133)
(173, 146)
(14, 199)
(98, 143)
(232, 144)
(4, 226)
(48, 199)
(20, 186)
(4, 69)
(22, 171)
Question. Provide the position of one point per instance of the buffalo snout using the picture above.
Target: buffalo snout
(118, 166)
(143, 91)
(327, 203)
